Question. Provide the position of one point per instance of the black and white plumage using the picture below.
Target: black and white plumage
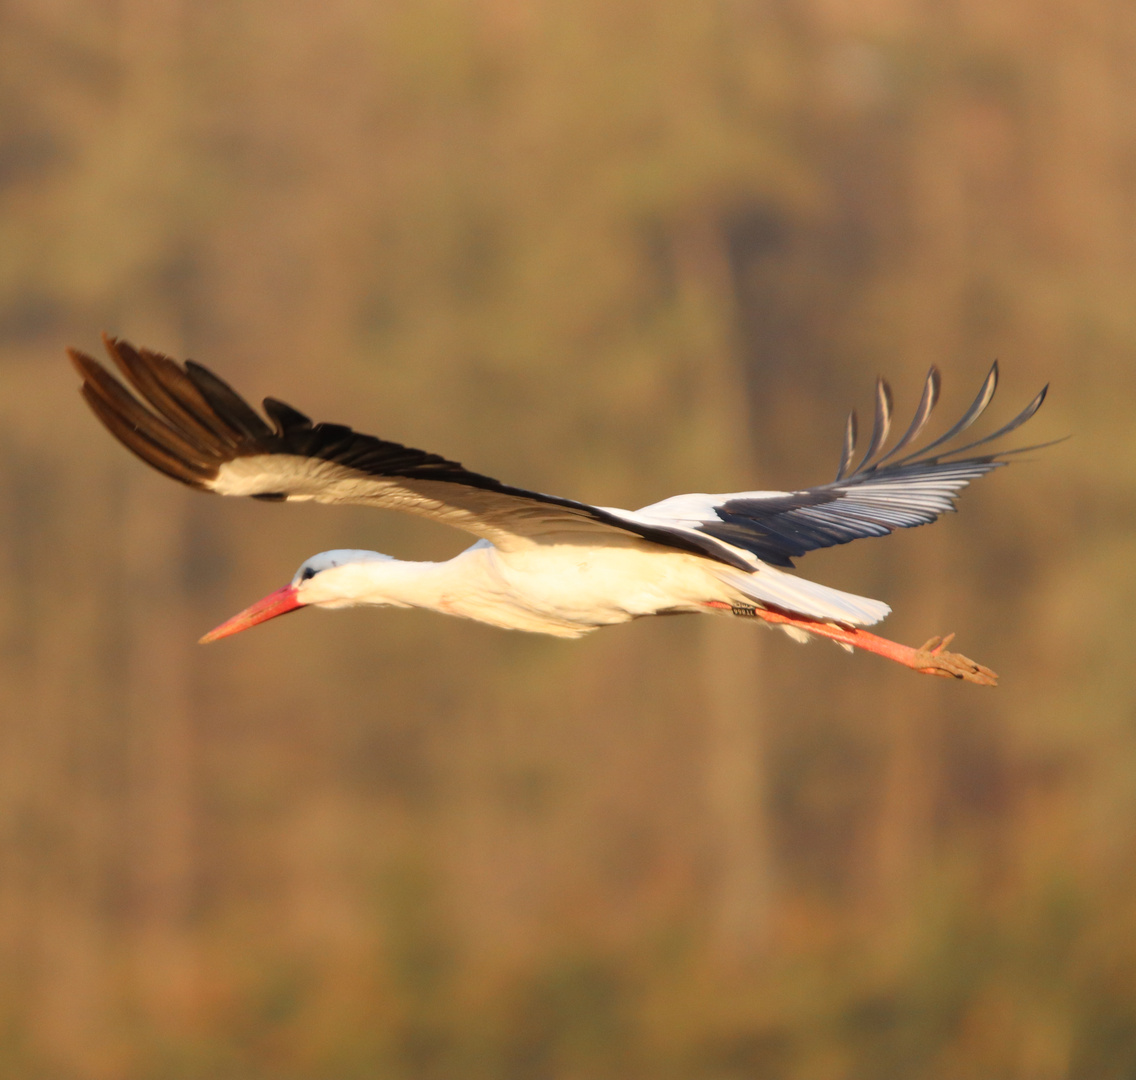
(544, 563)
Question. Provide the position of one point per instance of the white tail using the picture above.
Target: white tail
(772, 586)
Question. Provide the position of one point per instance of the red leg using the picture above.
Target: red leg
(930, 658)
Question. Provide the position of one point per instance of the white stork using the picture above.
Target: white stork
(542, 563)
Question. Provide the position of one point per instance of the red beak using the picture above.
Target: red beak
(278, 603)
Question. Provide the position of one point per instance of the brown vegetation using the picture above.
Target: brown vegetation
(616, 251)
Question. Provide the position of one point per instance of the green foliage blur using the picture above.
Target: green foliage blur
(614, 251)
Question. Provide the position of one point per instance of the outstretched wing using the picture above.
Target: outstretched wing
(882, 493)
(198, 430)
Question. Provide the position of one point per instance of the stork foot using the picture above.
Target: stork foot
(931, 658)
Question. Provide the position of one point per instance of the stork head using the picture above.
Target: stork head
(330, 579)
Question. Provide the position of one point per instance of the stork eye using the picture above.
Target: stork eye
(307, 573)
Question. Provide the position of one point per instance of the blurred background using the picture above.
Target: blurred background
(615, 251)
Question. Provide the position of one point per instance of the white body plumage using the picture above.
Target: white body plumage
(567, 589)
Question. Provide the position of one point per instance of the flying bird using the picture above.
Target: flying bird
(543, 563)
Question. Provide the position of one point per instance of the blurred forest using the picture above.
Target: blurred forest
(613, 250)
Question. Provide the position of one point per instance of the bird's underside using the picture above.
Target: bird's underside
(193, 427)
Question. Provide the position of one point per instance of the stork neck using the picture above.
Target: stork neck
(393, 581)
(386, 581)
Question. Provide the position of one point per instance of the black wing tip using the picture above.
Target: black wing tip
(284, 417)
(227, 403)
(923, 485)
(876, 456)
(196, 422)
(142, 445)
(849, 446)
(82, 363)
(881, 426)
(883, 387)
(151, 425)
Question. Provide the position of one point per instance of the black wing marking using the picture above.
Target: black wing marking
(195, 428)
(875, 498)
